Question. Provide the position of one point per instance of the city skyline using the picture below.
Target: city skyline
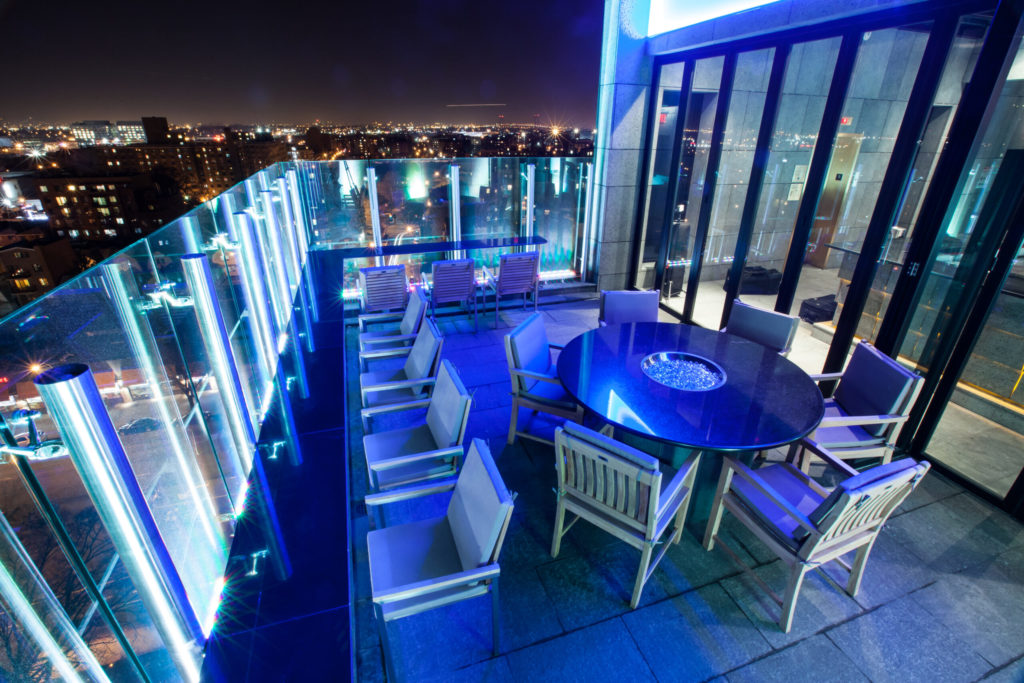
(411, 61)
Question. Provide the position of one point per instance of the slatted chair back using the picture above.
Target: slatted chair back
(448, 411)
(480, 509)
(628, 307)
(859, 506)
(874, 384)
(617, 482)
(425, 356)
(517, 273)
(769, 328)
(414, 313)
(526, 348)
(453, 281)
(383, 288)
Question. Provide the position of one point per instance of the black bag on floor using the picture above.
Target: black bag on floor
(758, 280)
(818, 310)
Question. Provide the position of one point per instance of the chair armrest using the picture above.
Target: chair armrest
(855, 420)
(398, 384)
(401, 460)
(821, 377)
(370, 318)
(385, 353)
(426, 282)
(414, 590)
(489, 279)
(557, 347)
(529, 374)
(741, 470)
(822, 454)
(394, 407)
(387, 339)
(410, 492)
(684, 477)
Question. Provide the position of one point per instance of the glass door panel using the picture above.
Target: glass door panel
(805, 88)
(883, 75)
(746, 107)
(957, 71)
(980, 433)
(698, 124)
(659, 171)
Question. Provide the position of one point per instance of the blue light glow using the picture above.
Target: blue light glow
(668, 15)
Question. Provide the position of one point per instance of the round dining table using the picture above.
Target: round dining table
(691, 388)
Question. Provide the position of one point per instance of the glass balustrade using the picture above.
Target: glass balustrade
(118, 572)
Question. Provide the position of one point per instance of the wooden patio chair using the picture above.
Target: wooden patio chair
(805, 525)
(384, 391)
(452, 282)
(517, 274)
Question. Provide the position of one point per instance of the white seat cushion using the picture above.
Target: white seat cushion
(789, 484)
(381, 446)
(408, 553)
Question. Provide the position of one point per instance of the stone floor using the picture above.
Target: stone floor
(942, 598)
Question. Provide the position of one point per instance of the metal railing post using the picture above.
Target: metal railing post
(378, 239)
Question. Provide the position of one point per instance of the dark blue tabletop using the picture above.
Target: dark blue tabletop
(764, 402)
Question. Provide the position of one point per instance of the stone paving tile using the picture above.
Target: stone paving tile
(602, 652)
(491, 671)
(1014, 673)
(933, 487)
(956, 532)
(819, 605)
(697, 635)
(901, 641)
(892, 572)
(812, 660)
(984, 612)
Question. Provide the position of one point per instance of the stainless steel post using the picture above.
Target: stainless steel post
(220, 356)
(378, 239)
(74, 403)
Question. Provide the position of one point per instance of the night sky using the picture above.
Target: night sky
(337, 60)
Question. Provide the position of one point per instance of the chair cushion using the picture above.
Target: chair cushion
(414, 311)
(769, 328)
(408, 553)
(377, 398)
(549, 392)
(478, 508)
(847, 436)
(449, 403)
(528, 344)
(874, 384)
(629, 307)
(381, 446)
(791, 485)
(420, 361)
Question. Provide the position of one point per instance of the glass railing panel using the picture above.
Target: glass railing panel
(560, 194)
(412, 198)
(336, 194)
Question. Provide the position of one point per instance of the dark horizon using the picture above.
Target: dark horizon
(406, 62)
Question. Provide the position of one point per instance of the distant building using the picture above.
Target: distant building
(115, 210)
(130, 132)
(156, 130)
(91, 133)
(30, 269)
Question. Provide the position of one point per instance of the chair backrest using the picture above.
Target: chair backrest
(769, 328)
(423, 360)
(454, 280)
(383, 288)
(526, 348)
(874, 384)
(863, 502)
(480, 508)
(617, 481)
(448, 410)
(414, 312)
(628, 307)
(517, 273)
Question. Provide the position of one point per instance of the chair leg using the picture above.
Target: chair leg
(796, 580)
(512, 420)
(641, 575)
(556, 540)
(495, 620)
(715, 520)
(859, 562)
(385, 646)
